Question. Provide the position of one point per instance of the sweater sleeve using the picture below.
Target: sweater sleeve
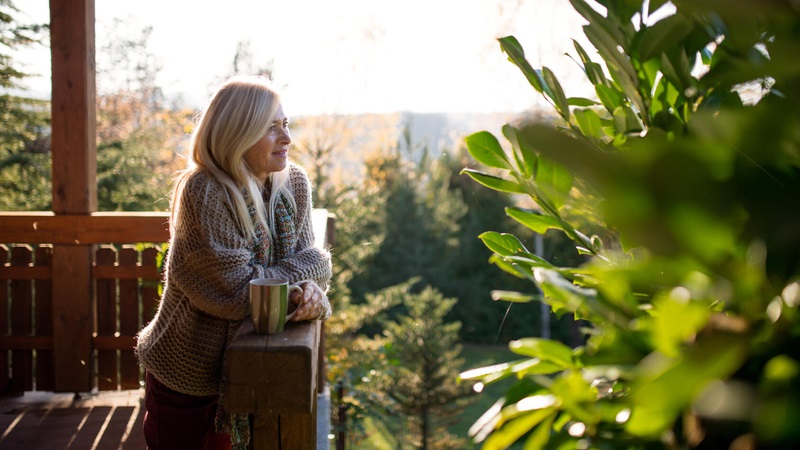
(210, 260)
(308, 262)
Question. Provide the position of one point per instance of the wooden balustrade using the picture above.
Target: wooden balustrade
(274, 378)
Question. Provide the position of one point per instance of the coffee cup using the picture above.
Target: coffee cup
(269, 302)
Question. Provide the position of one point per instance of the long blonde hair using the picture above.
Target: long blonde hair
(238, 115)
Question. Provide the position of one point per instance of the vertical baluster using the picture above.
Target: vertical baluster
(4, 325)
(150, 295)
(128, 320)
(149, 288)
(106, 321)
(45, 365)
(21, 322)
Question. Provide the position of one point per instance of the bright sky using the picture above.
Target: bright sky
(350, 56)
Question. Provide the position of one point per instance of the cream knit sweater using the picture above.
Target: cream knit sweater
(206, 286)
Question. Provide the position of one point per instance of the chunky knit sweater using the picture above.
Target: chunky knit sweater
(206, 291)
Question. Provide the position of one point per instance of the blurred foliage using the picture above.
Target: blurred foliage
(24, 140)
(692, 149)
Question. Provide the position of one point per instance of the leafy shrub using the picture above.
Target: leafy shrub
(693, 149)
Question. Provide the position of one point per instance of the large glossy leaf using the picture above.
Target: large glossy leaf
(535, 221)
(493, 182)
(486, 149)
(502, 243)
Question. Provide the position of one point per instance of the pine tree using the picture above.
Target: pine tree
(419, 383)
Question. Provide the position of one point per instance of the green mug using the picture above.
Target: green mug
(269, 301)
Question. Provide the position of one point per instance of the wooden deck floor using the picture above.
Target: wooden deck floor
(44, 420)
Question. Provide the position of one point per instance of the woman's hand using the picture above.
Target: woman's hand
(311, 304)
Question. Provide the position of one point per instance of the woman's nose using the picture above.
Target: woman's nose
(285, 137)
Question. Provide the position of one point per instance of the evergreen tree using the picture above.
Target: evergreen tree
(419, 232)
(419, 381)
(24, 139)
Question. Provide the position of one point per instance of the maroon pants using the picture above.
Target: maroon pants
(175, 421)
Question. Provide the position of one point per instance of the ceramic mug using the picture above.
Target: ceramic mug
(269, 301)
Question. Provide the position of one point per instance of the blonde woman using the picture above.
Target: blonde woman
(240, 211)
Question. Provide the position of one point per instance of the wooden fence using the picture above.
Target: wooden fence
(125, 280)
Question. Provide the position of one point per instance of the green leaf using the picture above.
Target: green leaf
(554, 181)
(663, 35)
(545, 350)
(513, 49)
(511, 296)
(536, 222)
(502, 243)
(675, 321)
(666, 386)
(493, 182)
(523, 154)
(486, 149)
(589, 123)
(556, 93)
(580, 101)
(655, 4)
(594, 72)
(595, 19)
(509, 267)
(539, 438)
(610, 97)
(516, 428)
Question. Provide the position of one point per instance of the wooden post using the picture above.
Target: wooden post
(74, 156)
(274, 378)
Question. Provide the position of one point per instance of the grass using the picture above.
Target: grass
(379, 436)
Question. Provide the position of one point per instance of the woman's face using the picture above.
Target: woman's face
(271, 152)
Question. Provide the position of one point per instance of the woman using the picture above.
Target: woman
(241, 211)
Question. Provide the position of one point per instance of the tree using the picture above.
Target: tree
(24, 140)
(138, 131)
(418, 382)
(419, 230)
(693, 300)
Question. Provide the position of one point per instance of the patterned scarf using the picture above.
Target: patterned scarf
(284, 238)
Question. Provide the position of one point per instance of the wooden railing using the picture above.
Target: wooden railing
(274, 378)
(90, 322)
(67, 323)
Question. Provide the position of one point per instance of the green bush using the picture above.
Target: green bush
(692, 147)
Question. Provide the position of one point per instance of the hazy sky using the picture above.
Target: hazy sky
(349, 56)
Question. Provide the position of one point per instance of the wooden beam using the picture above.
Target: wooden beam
(274, 377)
(73, 318)
(97, 228)
(74, 121)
